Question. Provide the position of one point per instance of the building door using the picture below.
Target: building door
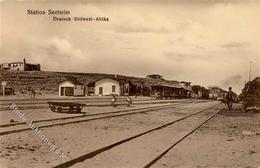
(62, 91)
(69, 91)
(100, 90)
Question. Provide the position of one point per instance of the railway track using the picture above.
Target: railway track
(69, 99)
(44, 105)
(45, 123)
(26, 102)
(72, 117)
(157, 158)
(131, 138)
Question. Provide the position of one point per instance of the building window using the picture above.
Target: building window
(113, 88)
(100, 91)
(75, 86)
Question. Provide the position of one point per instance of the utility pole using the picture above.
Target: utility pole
(250, 70)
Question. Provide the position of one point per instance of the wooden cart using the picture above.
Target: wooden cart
(69, 107)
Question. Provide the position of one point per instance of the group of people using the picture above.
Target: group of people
(114, 100)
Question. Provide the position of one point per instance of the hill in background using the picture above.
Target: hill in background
(48, 82)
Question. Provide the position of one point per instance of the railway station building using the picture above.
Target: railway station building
(165, 90)
(71, 87)
(169, 89)
(105, 87)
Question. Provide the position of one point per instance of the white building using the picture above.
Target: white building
(71, 87)
(107, 86)
(20, 66)
(14, 66)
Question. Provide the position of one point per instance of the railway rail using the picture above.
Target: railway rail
(11, 128)
(26, 102)
(120, 142)
(157, 158)
(86, 115)
(44, 105)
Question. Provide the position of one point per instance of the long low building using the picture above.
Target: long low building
(170, 89)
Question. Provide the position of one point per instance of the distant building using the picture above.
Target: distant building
(199, 92)
(20, 66)
(5, 66)
(216, 92)
(154, 76)
(185, 85)
(165, 89)
(169, 89)
(71, 87)
(185, 91)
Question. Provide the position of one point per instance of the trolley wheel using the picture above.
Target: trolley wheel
(71, 109)
(78, 109)
(53, 108)
(59, 109)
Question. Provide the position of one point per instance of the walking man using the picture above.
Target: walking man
(229, 98)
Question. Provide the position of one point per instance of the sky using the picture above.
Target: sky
(206, 42)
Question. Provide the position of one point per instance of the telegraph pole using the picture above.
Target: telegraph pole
(250, 70)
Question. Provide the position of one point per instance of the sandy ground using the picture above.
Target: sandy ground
(228, 140)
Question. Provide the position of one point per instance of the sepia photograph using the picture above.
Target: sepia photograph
(130, 83)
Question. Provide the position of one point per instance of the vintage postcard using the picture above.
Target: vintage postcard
(130, 83)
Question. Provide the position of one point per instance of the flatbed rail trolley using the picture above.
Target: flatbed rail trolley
(70, 107)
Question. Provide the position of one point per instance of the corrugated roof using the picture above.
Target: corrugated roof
(166, 83)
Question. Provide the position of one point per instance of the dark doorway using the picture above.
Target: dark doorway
(62, 91)
(100, 90)
(67, 91)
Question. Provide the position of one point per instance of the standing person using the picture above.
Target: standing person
(129, 101)
(229, 98)
(33, 93)
(113, 101)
